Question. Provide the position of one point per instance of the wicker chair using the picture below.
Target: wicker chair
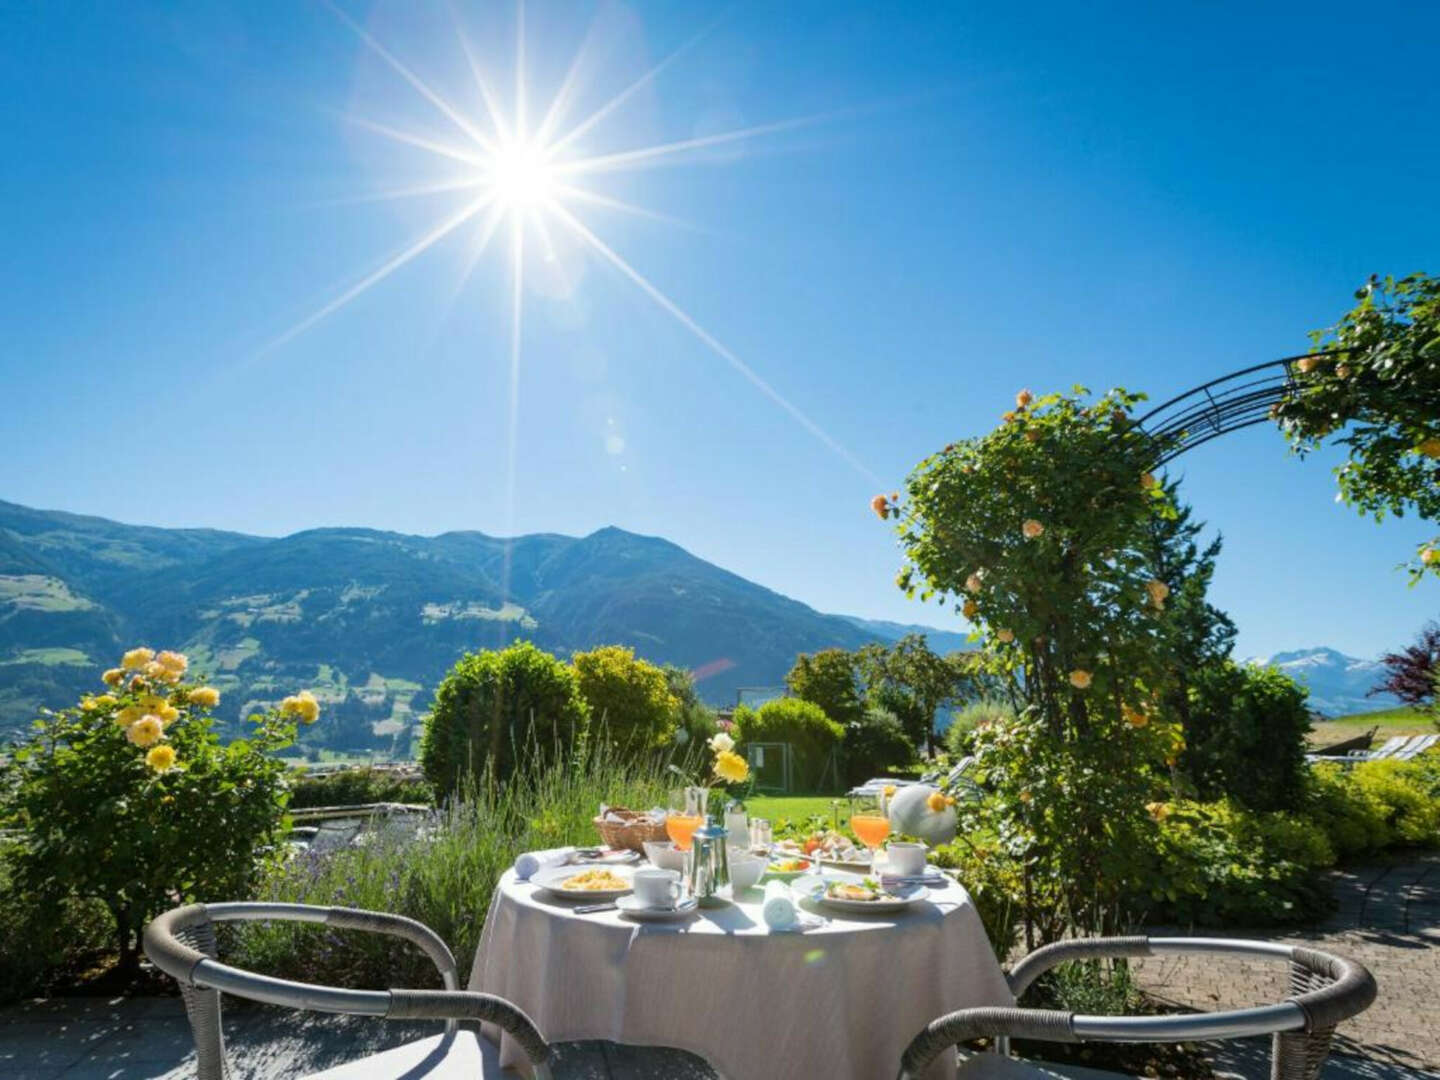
(182, 944)
(1324, 989)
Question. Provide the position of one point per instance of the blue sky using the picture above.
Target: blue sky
(993, 197)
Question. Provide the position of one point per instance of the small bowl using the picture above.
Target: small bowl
(665, 855)
(745, 870)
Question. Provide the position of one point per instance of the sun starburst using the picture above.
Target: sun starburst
(533, 179)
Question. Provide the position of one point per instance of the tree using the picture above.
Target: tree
(1378, 387)
(1245, 737)
(130, 798)
(874, 743)
(829, 678)
(630, 700)
(1195, 634)
(1040, 533)
(495, 709)
(912, 681)
(1410, 674)
(696, 719)
(813, 736)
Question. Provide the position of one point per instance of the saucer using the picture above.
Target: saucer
(633, 907)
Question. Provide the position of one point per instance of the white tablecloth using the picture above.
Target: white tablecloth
(837, 1002)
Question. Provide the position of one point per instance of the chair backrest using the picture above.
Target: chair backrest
(181, 943)
(1417, 746)
(1325, 989)
(1390, 746)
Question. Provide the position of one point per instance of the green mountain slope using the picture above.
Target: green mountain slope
(370, 620)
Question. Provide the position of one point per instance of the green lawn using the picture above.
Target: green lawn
(776, 808)
(1401, 721)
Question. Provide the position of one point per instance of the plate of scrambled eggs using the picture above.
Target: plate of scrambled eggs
(580, 883)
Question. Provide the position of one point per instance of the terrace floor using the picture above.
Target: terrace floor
(1388, 918)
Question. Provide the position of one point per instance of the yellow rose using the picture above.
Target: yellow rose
(302, 706)
(167, 713)
(113, 677)
(128, 715)
(1147, 481)
(1158, 810)
(1430, 556)
(880, 506)
(1025, 796)
(731, 767)
(1032, 435)
(1430, 447)
(1032, 529)
(137, 683)
(152, 701)
(146, 731)
(889, 791)
(1343, 371)
(136, 659)
(87, 703)
(1307, 364)
(1135, 717)
(1023, 399)
(156, 670)
(971, 609)
(173, 661)
(1080, 679)
(974, 582)
(104, 701)
(207, 697)
(1005, 636)
(936, 803)
(161, 758)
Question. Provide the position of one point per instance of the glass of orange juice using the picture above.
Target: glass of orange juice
(869, 822)
(686, 814)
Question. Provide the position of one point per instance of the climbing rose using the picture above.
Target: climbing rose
(974, 582)
(1307, 364)
(207, 697)
(136, 659)
(970, 610)
(113, 677)
(161, 758)
(1023, 399)
(146, 731)
(1005, 636)
(1032, 529)
(1080, 679)
(1158, 591)
(1430, 447)
(880, 507)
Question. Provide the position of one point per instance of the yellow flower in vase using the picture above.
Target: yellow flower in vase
(731, 767)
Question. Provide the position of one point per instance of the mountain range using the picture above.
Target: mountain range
(372, 620)
(1338, 684)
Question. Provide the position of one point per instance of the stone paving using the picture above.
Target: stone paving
(1388, 918)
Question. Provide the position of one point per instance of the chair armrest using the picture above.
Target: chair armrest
(1034, 965)
(957, 1027)
(470, 1005)
(376, 922)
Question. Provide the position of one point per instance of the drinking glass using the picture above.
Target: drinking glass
(686, 814)
(869, 822)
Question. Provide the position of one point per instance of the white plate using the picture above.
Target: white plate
(553, 878)
(812, 887)
(636, 909)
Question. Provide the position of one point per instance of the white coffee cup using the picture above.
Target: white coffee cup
(906, 859)
(657, 888)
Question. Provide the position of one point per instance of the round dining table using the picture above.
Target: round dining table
(840, 1000)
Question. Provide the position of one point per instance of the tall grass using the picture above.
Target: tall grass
(444, 876)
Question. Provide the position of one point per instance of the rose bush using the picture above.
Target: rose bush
(130, 798)
(1376, 388)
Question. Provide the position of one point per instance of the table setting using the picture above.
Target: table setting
(748, 951)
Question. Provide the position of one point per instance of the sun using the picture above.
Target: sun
(520, 175)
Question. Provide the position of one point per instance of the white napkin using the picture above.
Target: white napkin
(532, 862)
(931, 877)
(779, 910)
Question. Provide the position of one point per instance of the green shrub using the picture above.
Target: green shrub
(696, 720)
(39, 944)
(1219, 863)
(131, 801)
(1353, 820)
(357, 787)
(813, 736)
(1408, 802)
(874, 745)
(1245, 736)
(960, 735)
(829, 678)
(494, 709)
(444, 877)
(629, 699)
